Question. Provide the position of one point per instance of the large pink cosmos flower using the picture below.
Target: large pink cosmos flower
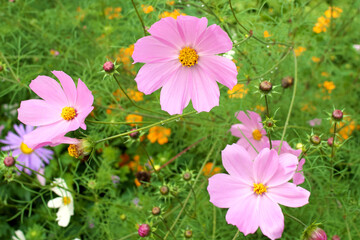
(180, 56)
(255, 188)
(253, 130)
(63, 109)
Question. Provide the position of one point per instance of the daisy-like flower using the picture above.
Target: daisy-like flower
(180, 56)
(253, 130)
(31, 158)
(63, 109)
(65, 202)
(254, 188)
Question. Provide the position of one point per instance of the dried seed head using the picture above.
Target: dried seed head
(265, 86)
(287, 82)
(188, 233)
(143, 176)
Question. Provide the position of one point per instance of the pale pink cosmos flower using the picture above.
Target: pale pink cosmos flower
(180, 56)
(63, 109)
(253, 130)
(254, 188)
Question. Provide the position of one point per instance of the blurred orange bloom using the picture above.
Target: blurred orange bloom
(267, 34)
(315, 59)
(238, 91)
(207, 169)
(333, 12)
(134, 118)
(299, 51)
(173, 14)
(147, 9)
(159, 134)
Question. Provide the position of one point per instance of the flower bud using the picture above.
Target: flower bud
(337, 115)
(265, 86)
(156, 211)
(315, 139)
(134, 135)
(313, 232)
(81, 149)
(164, 190)
(108, 67)
(144, 230)
(188, 233)
(335, 237)
(9, 161)
(187, 176)
(287, 82)
(330, 141)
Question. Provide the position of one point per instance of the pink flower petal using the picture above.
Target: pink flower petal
(213, 41)
(80, 118)
(175, 94)
(153, 76)
(49, 90)
(190, 29)
(265, 165)
(226, 191)
(85, 99)
(235, 131)
(288, 164)
(150, 50)
(220, 69)
(38, 112)
(68, 85)
(205, 94)
(271, 218)
(238, 164)
(299, 175)
(256, 120)
(285, 148)
(166, 31)
(245, 214)
(288, 194)
(243, 118)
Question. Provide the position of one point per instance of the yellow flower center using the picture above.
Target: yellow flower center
(66, 200)
(188, 57)
(256, 135)
(259, 188)
(73, 151)
(68, 113)
(25, 149)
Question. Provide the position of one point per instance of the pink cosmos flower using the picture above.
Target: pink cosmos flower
(253, 130)
(31, 158)
(63, 109)
(254, 188)
(180, 56)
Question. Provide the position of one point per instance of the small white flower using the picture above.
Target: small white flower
(230, 54)
(65, 202)
(19, 235)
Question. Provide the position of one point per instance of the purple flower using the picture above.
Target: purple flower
(31, 158)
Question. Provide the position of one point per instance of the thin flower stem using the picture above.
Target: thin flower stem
(268, 115)
(214, 222)
(150, 160)
(296, 219)
(157, 235)
(132, 102)
(236, 235)
(167, 227)
(114, 123)
(333, 154)
(141, 21)
(291, 103)
(248, 140)
(146, 127)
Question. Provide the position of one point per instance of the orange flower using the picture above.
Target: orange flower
(299, 51)
(137, 183)
(308, 108)
(109, 110)
(321, 25)
(207, 169)
(267, 34)
(159, 134)
(134, 118)
(260, 108)
(315, 59)
(147, 9)
(173, 14)
(325, 74)
(112, 13)
(135, 164)
(170, 3)
(333, 12)
(125, 54)
(238, 91)
(327, 85)
(135, 95)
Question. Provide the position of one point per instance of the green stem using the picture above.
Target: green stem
(146, 127)
(141, 21)
(248, 141)
(296, 219)
(291, 103)
(333, 154)
(151, 162)
(236, 235)
(268, 115)
(114, 123)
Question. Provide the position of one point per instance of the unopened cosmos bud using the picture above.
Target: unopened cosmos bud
(164, 190)
(144, 230)
(287, 82)
(187, 176)
(156, 211)
(108, 66)
(134, 135)
(337, 115)
(9, 161)
(188, 233)
(315, 139)
(330, 141)
(265, 86)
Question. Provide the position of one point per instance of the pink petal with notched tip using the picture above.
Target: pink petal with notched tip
(205, 94)
(220, 69)
(213, 41)
(175, 94)
(85, 99)
(265, 165)
(36, 112)
(166, 31)
(191, 29)
(288, 194)
(49, 90)
(153, 76)
(68, 86)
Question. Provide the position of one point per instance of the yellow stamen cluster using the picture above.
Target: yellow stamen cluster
(259, 188)
(74, 151)
(188, 57)
(66, 200)
(257, 135)
(68, 113)
(25, 149)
